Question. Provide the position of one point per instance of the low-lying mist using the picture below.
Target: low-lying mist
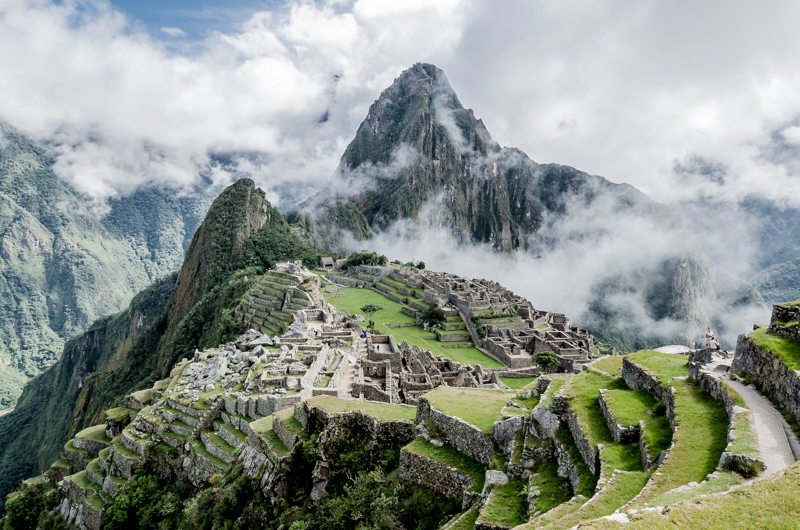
(639, 279)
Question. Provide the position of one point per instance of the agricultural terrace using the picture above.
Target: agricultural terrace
(479, 406)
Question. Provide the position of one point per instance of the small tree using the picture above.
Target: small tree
(434, 316)
(369, 310)
(546, 359)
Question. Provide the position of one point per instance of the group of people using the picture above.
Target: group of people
(712, 342)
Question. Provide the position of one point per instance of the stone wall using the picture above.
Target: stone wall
(637, 377)
(621, 434)
(648, 461)
(384, 433)
(434, 475)
(771, 374)
(590, 454)
(566, 468)
(462, 435)
(504, 431)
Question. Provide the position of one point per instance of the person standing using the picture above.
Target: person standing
(709, 339)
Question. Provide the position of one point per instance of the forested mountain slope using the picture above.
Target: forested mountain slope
(62, 266)
(240, 236)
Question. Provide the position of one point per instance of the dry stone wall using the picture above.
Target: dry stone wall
(638, 377)
(622, 434)
(434, 475)
(771, 374)
(462, 435)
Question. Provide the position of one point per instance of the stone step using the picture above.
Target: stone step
(281, 280)
(217, 446)
(74, 455)
(230, 434)
(112, 485)
(95, 473)
(288, 429)
(212, 464)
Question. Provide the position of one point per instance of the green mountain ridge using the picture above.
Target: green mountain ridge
(240, 236)
(62, 266)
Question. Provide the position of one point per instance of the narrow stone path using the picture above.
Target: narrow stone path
(775, 437)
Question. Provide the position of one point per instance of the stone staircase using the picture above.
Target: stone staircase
(269, 306)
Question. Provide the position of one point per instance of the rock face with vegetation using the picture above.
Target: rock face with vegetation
(62, 266)
(241, 235)
(421, 156)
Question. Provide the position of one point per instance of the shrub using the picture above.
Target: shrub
(546, 359)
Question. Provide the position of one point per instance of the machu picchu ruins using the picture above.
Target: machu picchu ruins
(271, 402)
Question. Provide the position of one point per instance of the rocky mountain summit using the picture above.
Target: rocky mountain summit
(420, 156)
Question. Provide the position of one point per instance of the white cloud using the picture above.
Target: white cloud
(174, 32)
(119, 109)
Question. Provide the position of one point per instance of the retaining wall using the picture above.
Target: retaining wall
(771, 374)
(462, 435)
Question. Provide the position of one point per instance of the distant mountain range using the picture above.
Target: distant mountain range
(62, 266)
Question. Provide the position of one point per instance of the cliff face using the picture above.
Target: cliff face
(241, 235)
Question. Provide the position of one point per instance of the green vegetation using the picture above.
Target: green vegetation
(324, 381)
(701, 437)
(507, 505)
(200, 448)
(785, 349)
(479, 406)
(369, 310)
(769, 503)
(354, 299)
(517, 383)
(629, 406)
(264, 428)
(434, 316)
(96, 433)
(586, 478)
(33, 507)
(664, 365)
(553, 490)
(467, 521)
(611, 364)
(450, 457)
(724, 481)
(379, 411)
(286, 416)
(364, 258)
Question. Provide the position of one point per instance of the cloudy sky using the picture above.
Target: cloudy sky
(681, 99)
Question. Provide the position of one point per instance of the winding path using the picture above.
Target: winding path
(775, 437)
(776, 440)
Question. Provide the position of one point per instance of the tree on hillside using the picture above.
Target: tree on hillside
(369, 310)
(432, 317)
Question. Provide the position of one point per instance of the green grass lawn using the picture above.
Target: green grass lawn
(263, 427)
(379, 411)
(96, 433)
(287, 418)
(702, 430)
(517, 383)
(479, 406)
(467, 521)
(354, 299)
(664, 365)
(119, 413)
(615, 494)
(629, 406)
(611, 364)
(505, 506)
(451, 457)
(768, 503)
(787, 350)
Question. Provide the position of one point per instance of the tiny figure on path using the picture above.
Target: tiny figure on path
(709, 339)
